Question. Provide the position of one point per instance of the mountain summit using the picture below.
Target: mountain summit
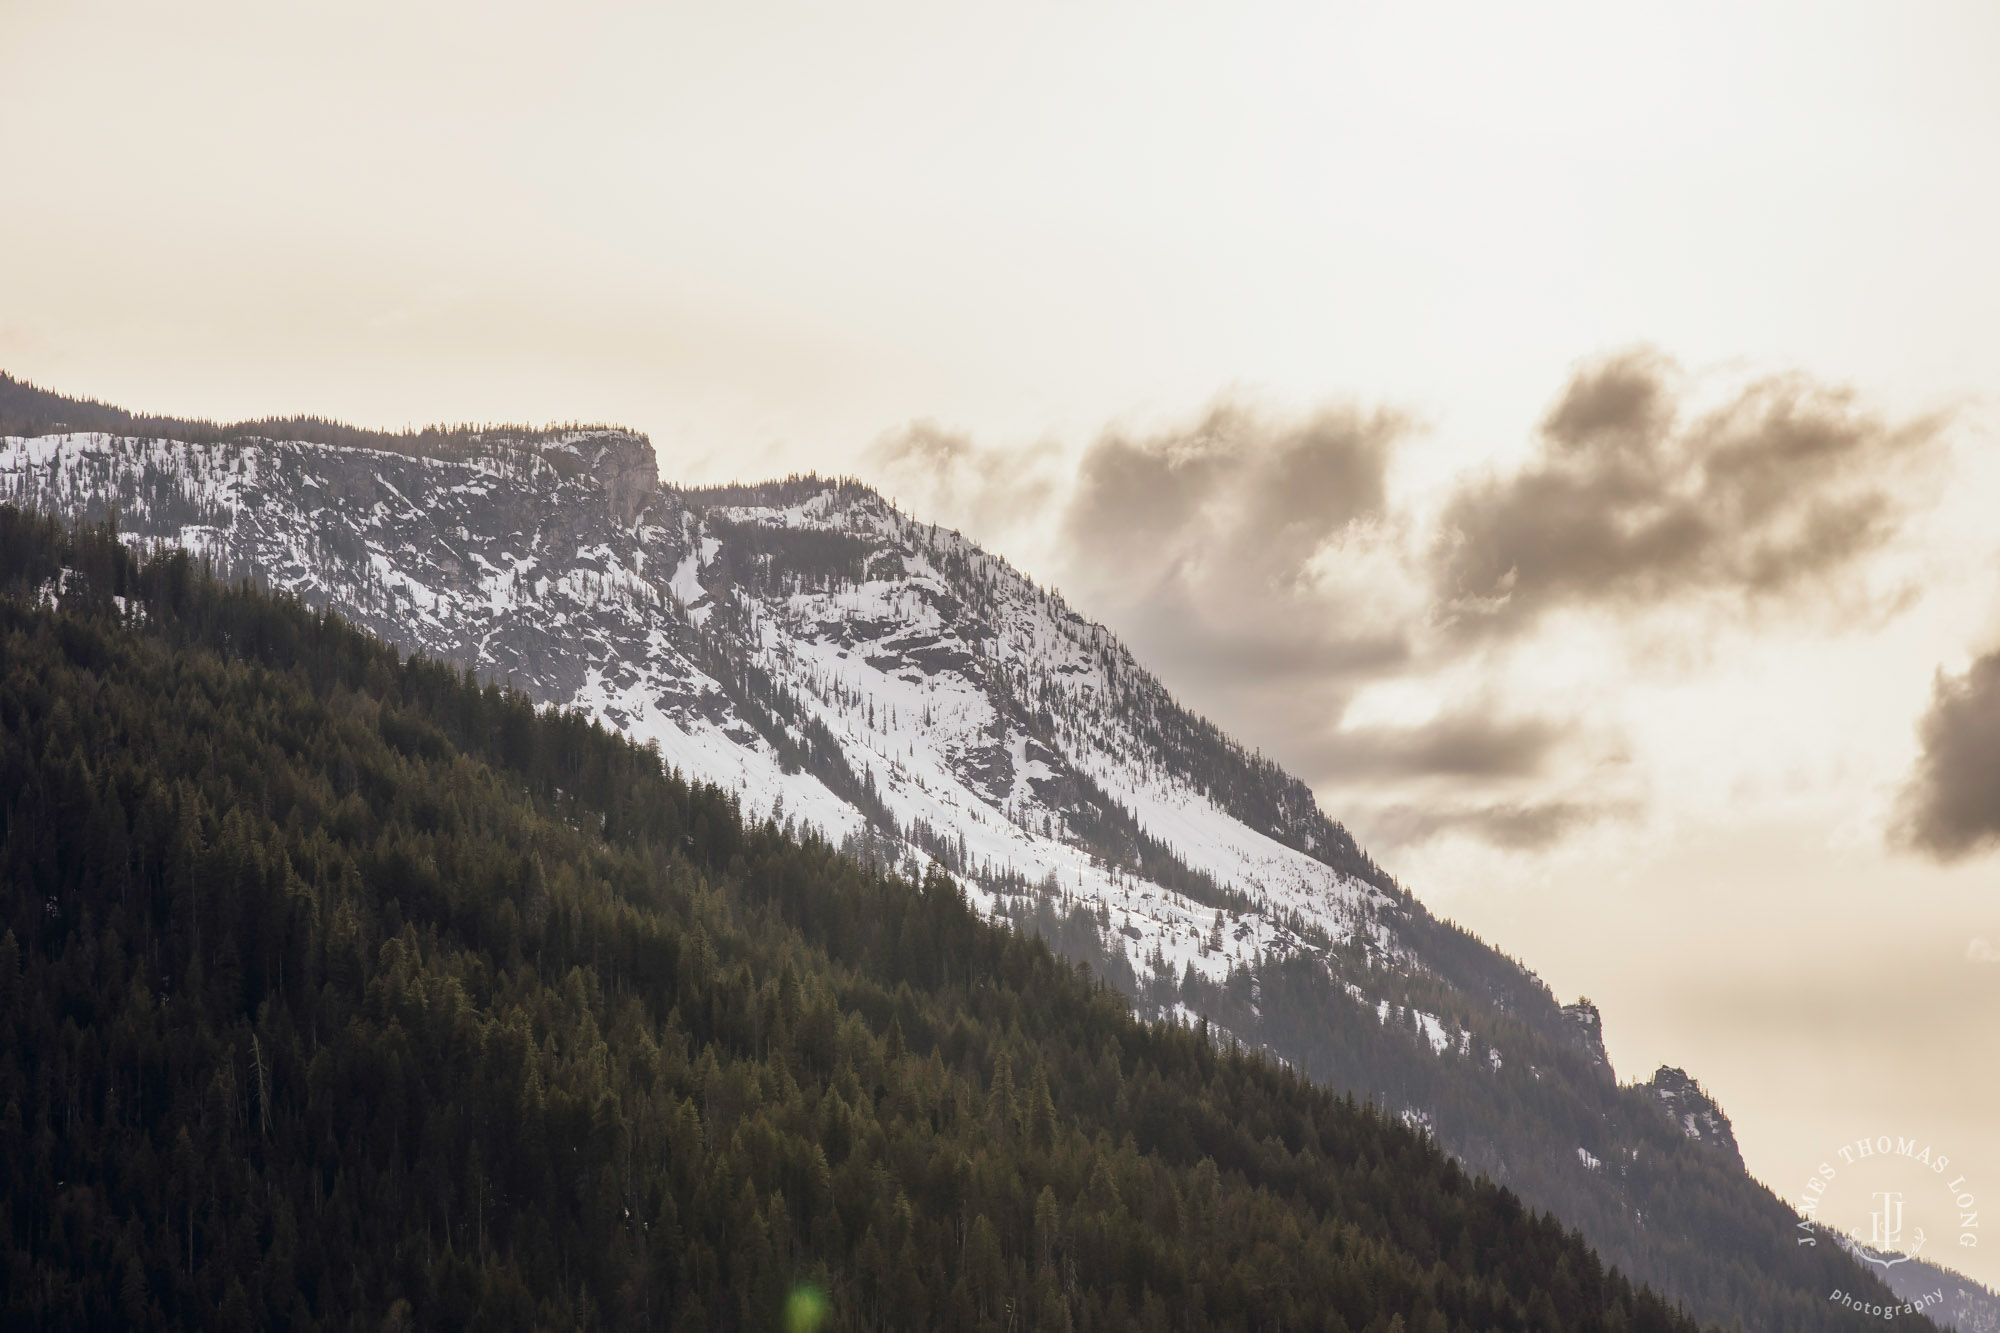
(845, 668)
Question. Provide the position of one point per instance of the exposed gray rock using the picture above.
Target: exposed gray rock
(1586, 1027)
(1693, 1111)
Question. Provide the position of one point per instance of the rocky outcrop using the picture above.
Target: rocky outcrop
(627, 468)
(1586, 1029)
(1693, 1111)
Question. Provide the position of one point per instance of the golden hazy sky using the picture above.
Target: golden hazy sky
(1285, 338)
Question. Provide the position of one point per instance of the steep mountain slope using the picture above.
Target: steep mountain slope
(1959, 1302)
(338, 992)
(842, 667)
(851, 670)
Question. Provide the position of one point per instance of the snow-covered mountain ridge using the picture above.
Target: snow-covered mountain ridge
(972, 718)
(843, 666)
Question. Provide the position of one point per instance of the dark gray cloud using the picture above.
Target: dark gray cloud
(1201, 541)
(1222, 648)
(1235, 490)
(1951, 805)
(1781, 491)
(1455, 745)
(1516, 826)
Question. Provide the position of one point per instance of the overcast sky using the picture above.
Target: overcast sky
(1562, 435)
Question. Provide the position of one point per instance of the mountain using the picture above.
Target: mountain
(338, 991)
(843, 668)
(1960, 1303)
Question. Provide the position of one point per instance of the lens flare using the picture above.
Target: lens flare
(805, 1309)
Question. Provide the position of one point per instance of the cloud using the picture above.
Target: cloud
(1950, 807)
(1264, 565)
(1978, 950)
(1779, 492)
(988, 490)
(1258, 560)
(1236, 487)
(1513, 826)
(1204, 543)
(1459, 745)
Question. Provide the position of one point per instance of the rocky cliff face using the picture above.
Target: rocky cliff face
(1692, 1111)
(1586, 1029)
(855, 674)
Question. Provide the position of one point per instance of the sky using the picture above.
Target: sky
(1562, 434)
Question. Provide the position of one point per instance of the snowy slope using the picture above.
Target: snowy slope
(975, 703)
